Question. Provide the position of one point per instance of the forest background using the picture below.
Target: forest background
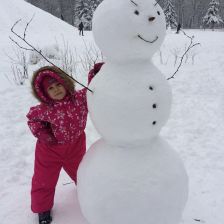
(189, 13)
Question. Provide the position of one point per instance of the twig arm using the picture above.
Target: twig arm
(191, 45)
(32, 48)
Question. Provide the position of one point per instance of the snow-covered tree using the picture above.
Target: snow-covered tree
(189, 12)
(212, 16)
(84, 10)
(171, 16)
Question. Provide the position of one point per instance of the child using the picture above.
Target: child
(58, 123)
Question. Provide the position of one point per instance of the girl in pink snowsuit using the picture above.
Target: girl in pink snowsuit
(58, 123)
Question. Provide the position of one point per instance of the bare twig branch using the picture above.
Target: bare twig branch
(91, 56)
(175, 53)
(19, 65)
(24, 48)
(18, 76)
(24, 34)
(38, 51)
(190, 46)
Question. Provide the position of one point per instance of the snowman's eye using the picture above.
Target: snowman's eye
(158, 12)
(136, 12)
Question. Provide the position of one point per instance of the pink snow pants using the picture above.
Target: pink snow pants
(49, 160)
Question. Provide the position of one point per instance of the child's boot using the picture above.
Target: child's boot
(45, 217)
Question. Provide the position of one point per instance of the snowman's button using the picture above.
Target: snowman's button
(136, 12)
(154, 122)
(154, 106)
(151, 88)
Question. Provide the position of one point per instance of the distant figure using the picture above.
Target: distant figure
(178, 28)
(62, 17)
(81, 26)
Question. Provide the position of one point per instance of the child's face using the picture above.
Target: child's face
(56, 91)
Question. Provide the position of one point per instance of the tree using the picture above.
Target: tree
(212, 16)
(82, 13)
(193, 13)
(171, 16)
(84, 10)
(190, 13)
(63, 9)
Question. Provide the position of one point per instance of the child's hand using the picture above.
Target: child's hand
(94, 71)
(46, 138)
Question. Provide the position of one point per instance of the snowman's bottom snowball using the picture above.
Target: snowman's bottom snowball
(123, 185)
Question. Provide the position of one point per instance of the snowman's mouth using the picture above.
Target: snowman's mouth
(148, 41)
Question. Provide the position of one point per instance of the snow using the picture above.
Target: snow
(195, 128)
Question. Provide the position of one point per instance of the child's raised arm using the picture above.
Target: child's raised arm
(81, 94)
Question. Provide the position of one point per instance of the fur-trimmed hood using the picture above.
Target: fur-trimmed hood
(55, 73)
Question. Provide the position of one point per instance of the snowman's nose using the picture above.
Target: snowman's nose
(151, 19)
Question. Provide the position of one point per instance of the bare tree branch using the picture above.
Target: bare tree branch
(24, 48)
(24, 34)
(32, 48)
(190, 46)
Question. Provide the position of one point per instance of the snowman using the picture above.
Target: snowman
(130, 175)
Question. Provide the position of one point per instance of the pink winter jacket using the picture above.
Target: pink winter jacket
(64, 120)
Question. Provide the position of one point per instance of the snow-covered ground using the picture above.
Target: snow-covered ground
(195, 128)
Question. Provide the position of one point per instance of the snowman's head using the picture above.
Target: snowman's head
(127, 30)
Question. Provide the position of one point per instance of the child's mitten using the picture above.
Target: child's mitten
(94, 71)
